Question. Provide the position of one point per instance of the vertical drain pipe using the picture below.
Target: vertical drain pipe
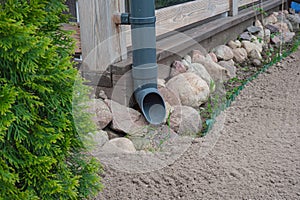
(144, 70)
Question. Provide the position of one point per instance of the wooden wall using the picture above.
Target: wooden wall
(177, 16)
(102, 42)
(247, 2)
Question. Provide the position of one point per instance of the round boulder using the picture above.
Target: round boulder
(200, 70)
(185, 121)
(223, 52)
(102, 115)
(191, 89)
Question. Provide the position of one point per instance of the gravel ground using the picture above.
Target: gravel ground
(255, 155)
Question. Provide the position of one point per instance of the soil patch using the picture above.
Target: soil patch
(256, 155)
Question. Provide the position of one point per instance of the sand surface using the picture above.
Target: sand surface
(253, 153)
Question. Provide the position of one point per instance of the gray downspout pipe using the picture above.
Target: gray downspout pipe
(144, 70)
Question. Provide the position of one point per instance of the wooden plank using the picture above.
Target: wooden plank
(246, 2)
(234, 8)
(181, 43)
(102, 42)
(177, 16)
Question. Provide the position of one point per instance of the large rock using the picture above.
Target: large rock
(200, 70)
(246, 36)
(294, 18)
(276, 40)
(282, 27)
(249, 46)
(185, 121)
(234, 44)
(188, 59)
(161, 83)
(185, 63)
(272, 28)
(283, 38)
(254, 29)
(257, 63)
(240, 55)
(217, 72)
(258, 23)
(229, 65)
(255, 54)
(102, 115)
(126, 119)
(212, 56)
(197, 55)
(191, 89)
(98, 139)
(223, 52)
(169, 96)
(288, 36)
(271, 19)
(121, 145)
(177, 67)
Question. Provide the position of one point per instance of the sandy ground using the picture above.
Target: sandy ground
(256, 154)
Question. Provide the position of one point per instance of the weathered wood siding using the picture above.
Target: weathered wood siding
(246, 2)
(102, 41)
(177, 16)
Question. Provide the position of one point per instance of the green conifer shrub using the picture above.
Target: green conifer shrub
(42, 155)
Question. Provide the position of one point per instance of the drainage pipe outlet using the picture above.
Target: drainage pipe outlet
(144, 70)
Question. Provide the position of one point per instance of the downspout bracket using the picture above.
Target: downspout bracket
(142, 20)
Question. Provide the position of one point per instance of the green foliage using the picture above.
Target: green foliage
(42, 155)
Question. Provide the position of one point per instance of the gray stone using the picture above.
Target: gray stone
(185, 121)
(223, 52)
(294, 18)
(169, 96)
(98, 139)
(240, 55)
(102, 115)
(258, 23)
(229, 65)
(255, 54)
(126, 119)
(177, 68)
(234, 44)
(276, 40)
(256, 63)
(185, 63)
(102, 95)
(197, 55)
(271, 19)
(282, 27)
(212, 56)
(246, 36)
(200, 70)
(188, 59)
(272, 28)
(191, 89)
(253, 29)
(288, 36)
(120, 144)
(249, 46)
(161, 83)
(217, 72)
